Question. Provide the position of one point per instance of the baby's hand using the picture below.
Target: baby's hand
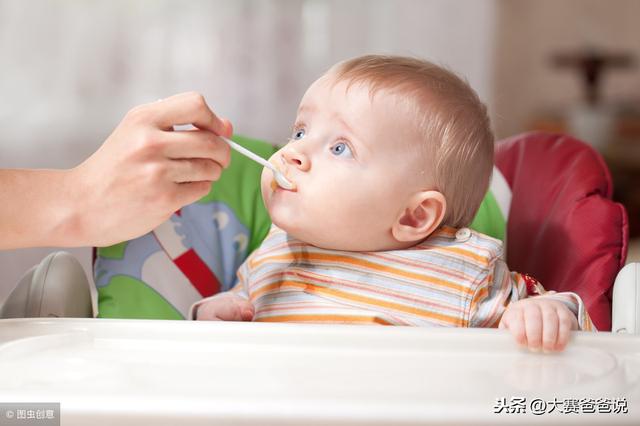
(225, 307)
(539, 323)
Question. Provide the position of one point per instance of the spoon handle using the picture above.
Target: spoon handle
(244, 151)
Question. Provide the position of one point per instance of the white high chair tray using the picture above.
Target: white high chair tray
(108, 372)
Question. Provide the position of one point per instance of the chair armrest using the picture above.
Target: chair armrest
(626, 300)
(56, 287)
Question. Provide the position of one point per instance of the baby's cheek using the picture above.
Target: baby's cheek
(266, 186)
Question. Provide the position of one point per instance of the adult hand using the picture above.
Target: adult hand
(142, 173)
(145, 171)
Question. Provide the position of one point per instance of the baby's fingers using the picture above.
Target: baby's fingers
(226, 307)
(566, 322)
(513, 321)
(247, 311)
(235, 309)
(550, 324)
(207, 310)
(533, 326)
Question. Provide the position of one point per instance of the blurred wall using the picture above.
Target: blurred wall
(529, 32)
(70, 69)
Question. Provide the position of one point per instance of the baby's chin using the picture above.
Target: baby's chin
(284, 220)
(293, 224)
(302, 232)
(319, 237)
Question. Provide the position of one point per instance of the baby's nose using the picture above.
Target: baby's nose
(296, 159)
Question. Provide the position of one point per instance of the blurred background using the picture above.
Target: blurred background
(70, 70)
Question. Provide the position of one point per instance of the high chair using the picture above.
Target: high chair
(563, 229)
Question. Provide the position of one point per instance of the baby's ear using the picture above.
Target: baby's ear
(421, 216)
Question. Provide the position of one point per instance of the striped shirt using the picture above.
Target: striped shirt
(446, 280)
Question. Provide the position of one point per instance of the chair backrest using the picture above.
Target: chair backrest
(563, 227)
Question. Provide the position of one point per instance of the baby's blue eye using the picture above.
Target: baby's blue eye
(341, 148)
(298, 134)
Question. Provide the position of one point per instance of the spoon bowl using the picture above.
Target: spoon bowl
(280, 178)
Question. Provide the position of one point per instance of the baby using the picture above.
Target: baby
(391, 158)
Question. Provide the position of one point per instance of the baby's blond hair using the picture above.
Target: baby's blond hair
(453, 123)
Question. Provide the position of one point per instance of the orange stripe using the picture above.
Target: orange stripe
(320, 318)
(371, 289)
(320, 257)
(289, 256)
(498, 308)
(421, 264)
(445, 232)
(478, 298)
(256, 294)
(283, 245)
(483, 260)
(362, 299)
(448, 231)
(480, 245)
(290, 306)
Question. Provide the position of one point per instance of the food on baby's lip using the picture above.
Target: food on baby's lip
(274, 183)
(294, 187)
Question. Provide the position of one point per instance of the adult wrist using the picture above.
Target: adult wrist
(70, 229)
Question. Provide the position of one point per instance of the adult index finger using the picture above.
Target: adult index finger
(188, 108)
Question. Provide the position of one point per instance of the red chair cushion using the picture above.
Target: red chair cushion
(563, 228)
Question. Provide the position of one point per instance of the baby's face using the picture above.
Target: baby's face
(354, 160)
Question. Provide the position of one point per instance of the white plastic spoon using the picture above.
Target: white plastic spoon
(281, 180)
